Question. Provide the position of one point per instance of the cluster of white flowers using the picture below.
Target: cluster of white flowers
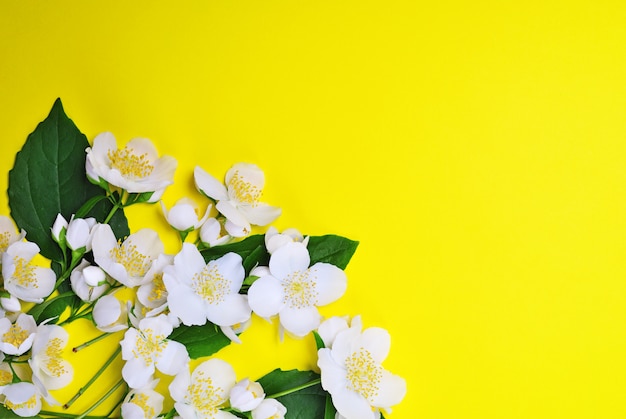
(182, 289)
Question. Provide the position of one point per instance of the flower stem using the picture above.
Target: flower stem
(93, 379)
(99, 402)
(116, 206)
(293, 390)
(90, 342)
(66, 415)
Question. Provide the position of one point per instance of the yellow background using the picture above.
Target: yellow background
(476, 149)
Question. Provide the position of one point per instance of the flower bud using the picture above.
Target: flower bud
(246, 395)
(58, 229)
(11, 304)
(88, 282)
(110, 314)
(78, 233)
(269, 409)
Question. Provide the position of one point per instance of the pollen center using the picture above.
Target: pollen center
(210, 284)
(142, 400)
(54, 363)
(299, 289)
(15, 335)
(204, 396)
(158, 291)
(28, 404)
(5, 238)
(243, 191)
(135, 262)
(24, 273)
(6, 377)
(129, 164)
(363, 373)
(148, 346)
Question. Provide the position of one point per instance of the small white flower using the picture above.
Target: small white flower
(23, 398)
(246, 395)
(239, 200)
(152, 293)
(23, 280)
(79, 233)
(88, 282)
(59, 229)
(143, 403)
(110, 314)
(17, 338)
(47, 361)
(293, 290)
(201, 393)
(274, 239)
(8, 233)
(353, 375)
(147, 348)
(136, 168)
(185, 215)
(269, 409)
(211, 233)
(129, 261)
(200, 291)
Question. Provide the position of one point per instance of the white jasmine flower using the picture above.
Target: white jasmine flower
(88, 282)
(127, 262)
(47, 361)
(200, 291)
(8, 233)
(17, 338)
(110, 314)
(211, 233)
(23, 280)
(238, 201)
(147, 348)
(246, 395)
(136, 168)
(201, 393)
(353, 375)
(185, 215)
(269, 409)
(274, 239)
(79, 233)
(23, 398)
(6, 375)
(294, 291)
(143, 403)
(152, 293)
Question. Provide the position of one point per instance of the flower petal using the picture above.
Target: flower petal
(173, 358)
(234, 309)
(137, 373)
(265, 296)
(292, 257)
(208, 185)
(330, 282)
(260, 214)
(391, 391)
(300, 321)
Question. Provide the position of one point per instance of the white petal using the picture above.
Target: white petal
(173, 358)
(107, 311)
(391, 391)
(300, 321)
(329, 329)
(136, 373)
(352, 405)
(208, 185)
(377, 341)
(221, 373)
(143, 146)
(231, 267)
(248, 173)
(234, 309)
(232, 214)
(188, 262)
(260, 214)
(330, 282)
(180, 383)
(265, 296)
(292, 257)
(184, 303)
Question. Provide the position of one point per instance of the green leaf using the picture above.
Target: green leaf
(49, 178)
(200, 341)
(307, 403)
(319, 342)
(251, 249)
(330, 411)
(332, 249)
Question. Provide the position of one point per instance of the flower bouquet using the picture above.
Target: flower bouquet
(173, 312)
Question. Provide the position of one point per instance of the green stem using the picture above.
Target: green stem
(90, 342)
(46, 303)
(93, 379)
(293, 390)
(99, 402)
(116, 206)
(67, 415)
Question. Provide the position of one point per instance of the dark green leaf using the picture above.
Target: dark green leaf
(49, 178)
(53, 308)
(307, 403)
(251, 249)
(200, 340)
(332, 249)
(319, 342)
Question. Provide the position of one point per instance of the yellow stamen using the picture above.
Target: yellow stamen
(202, 395)
(54, 362)
(210, 284)
(129, 164)
(15, 335)
(299, 290)
(364, 374)
(24, 273)
(242, 190)
(135, 262)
